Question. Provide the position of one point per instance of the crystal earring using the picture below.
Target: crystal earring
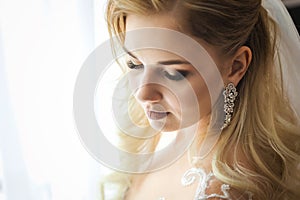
(230, 94)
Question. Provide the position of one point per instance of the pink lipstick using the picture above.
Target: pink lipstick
(154, 115)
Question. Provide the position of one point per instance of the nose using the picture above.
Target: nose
(149, 89)
(149, 92)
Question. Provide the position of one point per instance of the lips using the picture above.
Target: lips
(155, 115)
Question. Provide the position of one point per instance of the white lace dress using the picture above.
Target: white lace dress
(202, 179)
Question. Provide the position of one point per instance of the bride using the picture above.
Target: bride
(245, 139)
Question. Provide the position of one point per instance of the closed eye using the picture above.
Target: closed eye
(177, 76)
(132, 65)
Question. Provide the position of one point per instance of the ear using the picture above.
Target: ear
(239, 65)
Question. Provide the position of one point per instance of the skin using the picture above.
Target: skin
(167, 96)
(170, 99)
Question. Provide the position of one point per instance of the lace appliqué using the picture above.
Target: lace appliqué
(190, 176)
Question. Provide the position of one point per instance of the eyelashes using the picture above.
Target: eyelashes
(179, 75)
(175, 75)
(131, 65)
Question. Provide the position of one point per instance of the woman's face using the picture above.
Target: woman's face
(167, 85)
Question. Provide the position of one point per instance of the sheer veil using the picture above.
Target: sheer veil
(288, 51)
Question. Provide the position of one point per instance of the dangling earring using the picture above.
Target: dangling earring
(230, 94)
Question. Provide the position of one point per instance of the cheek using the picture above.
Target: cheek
(134, 79)
(195, 102)
(204, 100)
(203, 97)
(187, 97)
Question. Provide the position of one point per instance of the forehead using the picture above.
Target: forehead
(168, 21)
(152, 56)
(157, 20)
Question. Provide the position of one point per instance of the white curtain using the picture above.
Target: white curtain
(43, 44)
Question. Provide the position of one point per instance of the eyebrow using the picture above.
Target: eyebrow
(173, 62)
(129, 53)
(167, 62)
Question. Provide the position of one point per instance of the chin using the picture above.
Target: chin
(164, 127)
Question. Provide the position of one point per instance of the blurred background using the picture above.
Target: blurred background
(293, 7)
(43, 44)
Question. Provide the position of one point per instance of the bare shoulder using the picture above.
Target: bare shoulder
(216, 189)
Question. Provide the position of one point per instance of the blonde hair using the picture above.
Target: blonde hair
(264, 130)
